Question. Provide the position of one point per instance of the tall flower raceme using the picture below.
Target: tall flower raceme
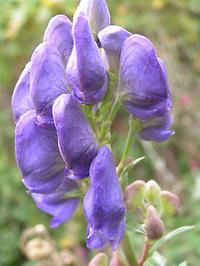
(60, 106)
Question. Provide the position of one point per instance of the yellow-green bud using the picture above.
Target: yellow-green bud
(152, 192)
(170, 203)
(134, 194)
(154, 225)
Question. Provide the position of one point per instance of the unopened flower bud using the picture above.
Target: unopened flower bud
(134, 193)
(115, 260)
(170, 203)
(152, 192)
(99, 260)
(97, 13)
(154, 224)
(37, 249)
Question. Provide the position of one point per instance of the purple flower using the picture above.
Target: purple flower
(75, 137)
(21, 99)
(43, 169)
(97, 13)
(103, 204)
(59, 35)
(86, 73)
(57, 203)
(47, 81)
(111, 40)
(143, 87)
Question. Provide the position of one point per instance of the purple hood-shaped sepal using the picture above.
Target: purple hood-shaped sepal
(38, 156)
(47, 81)
(75, 137)
(103, 204)
(21, 99)
(97, 13)
(143, 86)
(111, 40)
(56, 203)
(59, 35)
(86, 73)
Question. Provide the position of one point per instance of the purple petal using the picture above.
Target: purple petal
(111, 39)
(86, 72)
(75, 137)
(48, 81)
(37, 155)
(21, 99)
(97, 13)
(56, 203)
(157, 129)
(103, 204)
(59, 35)
(142, 85)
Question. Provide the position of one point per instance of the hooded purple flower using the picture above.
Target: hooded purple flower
(21, 99)
(43, 169)
(111, 40)
(103, 204)
(86, 73)
(97, 13)
(47, 81)
(75, 137)
(59, 35)
(143, 87)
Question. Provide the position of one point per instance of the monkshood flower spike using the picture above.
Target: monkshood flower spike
(143, 88)
(64, 104)
(103, 204)
(86, 73)
(97, 13)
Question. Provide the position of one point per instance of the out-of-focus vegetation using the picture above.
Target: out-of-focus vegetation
(174, 28)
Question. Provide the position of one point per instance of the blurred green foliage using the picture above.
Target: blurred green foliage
(174, 28)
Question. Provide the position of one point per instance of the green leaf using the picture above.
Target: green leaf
(170, 236)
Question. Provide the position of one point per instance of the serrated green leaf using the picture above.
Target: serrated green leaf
(170, 236)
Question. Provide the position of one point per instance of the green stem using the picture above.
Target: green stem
(129, 140)
(128, 251)
(114, 109)
(109, 120)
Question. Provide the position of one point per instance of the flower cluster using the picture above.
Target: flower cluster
(55, 144)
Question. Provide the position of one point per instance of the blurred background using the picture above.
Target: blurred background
(174, 28)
